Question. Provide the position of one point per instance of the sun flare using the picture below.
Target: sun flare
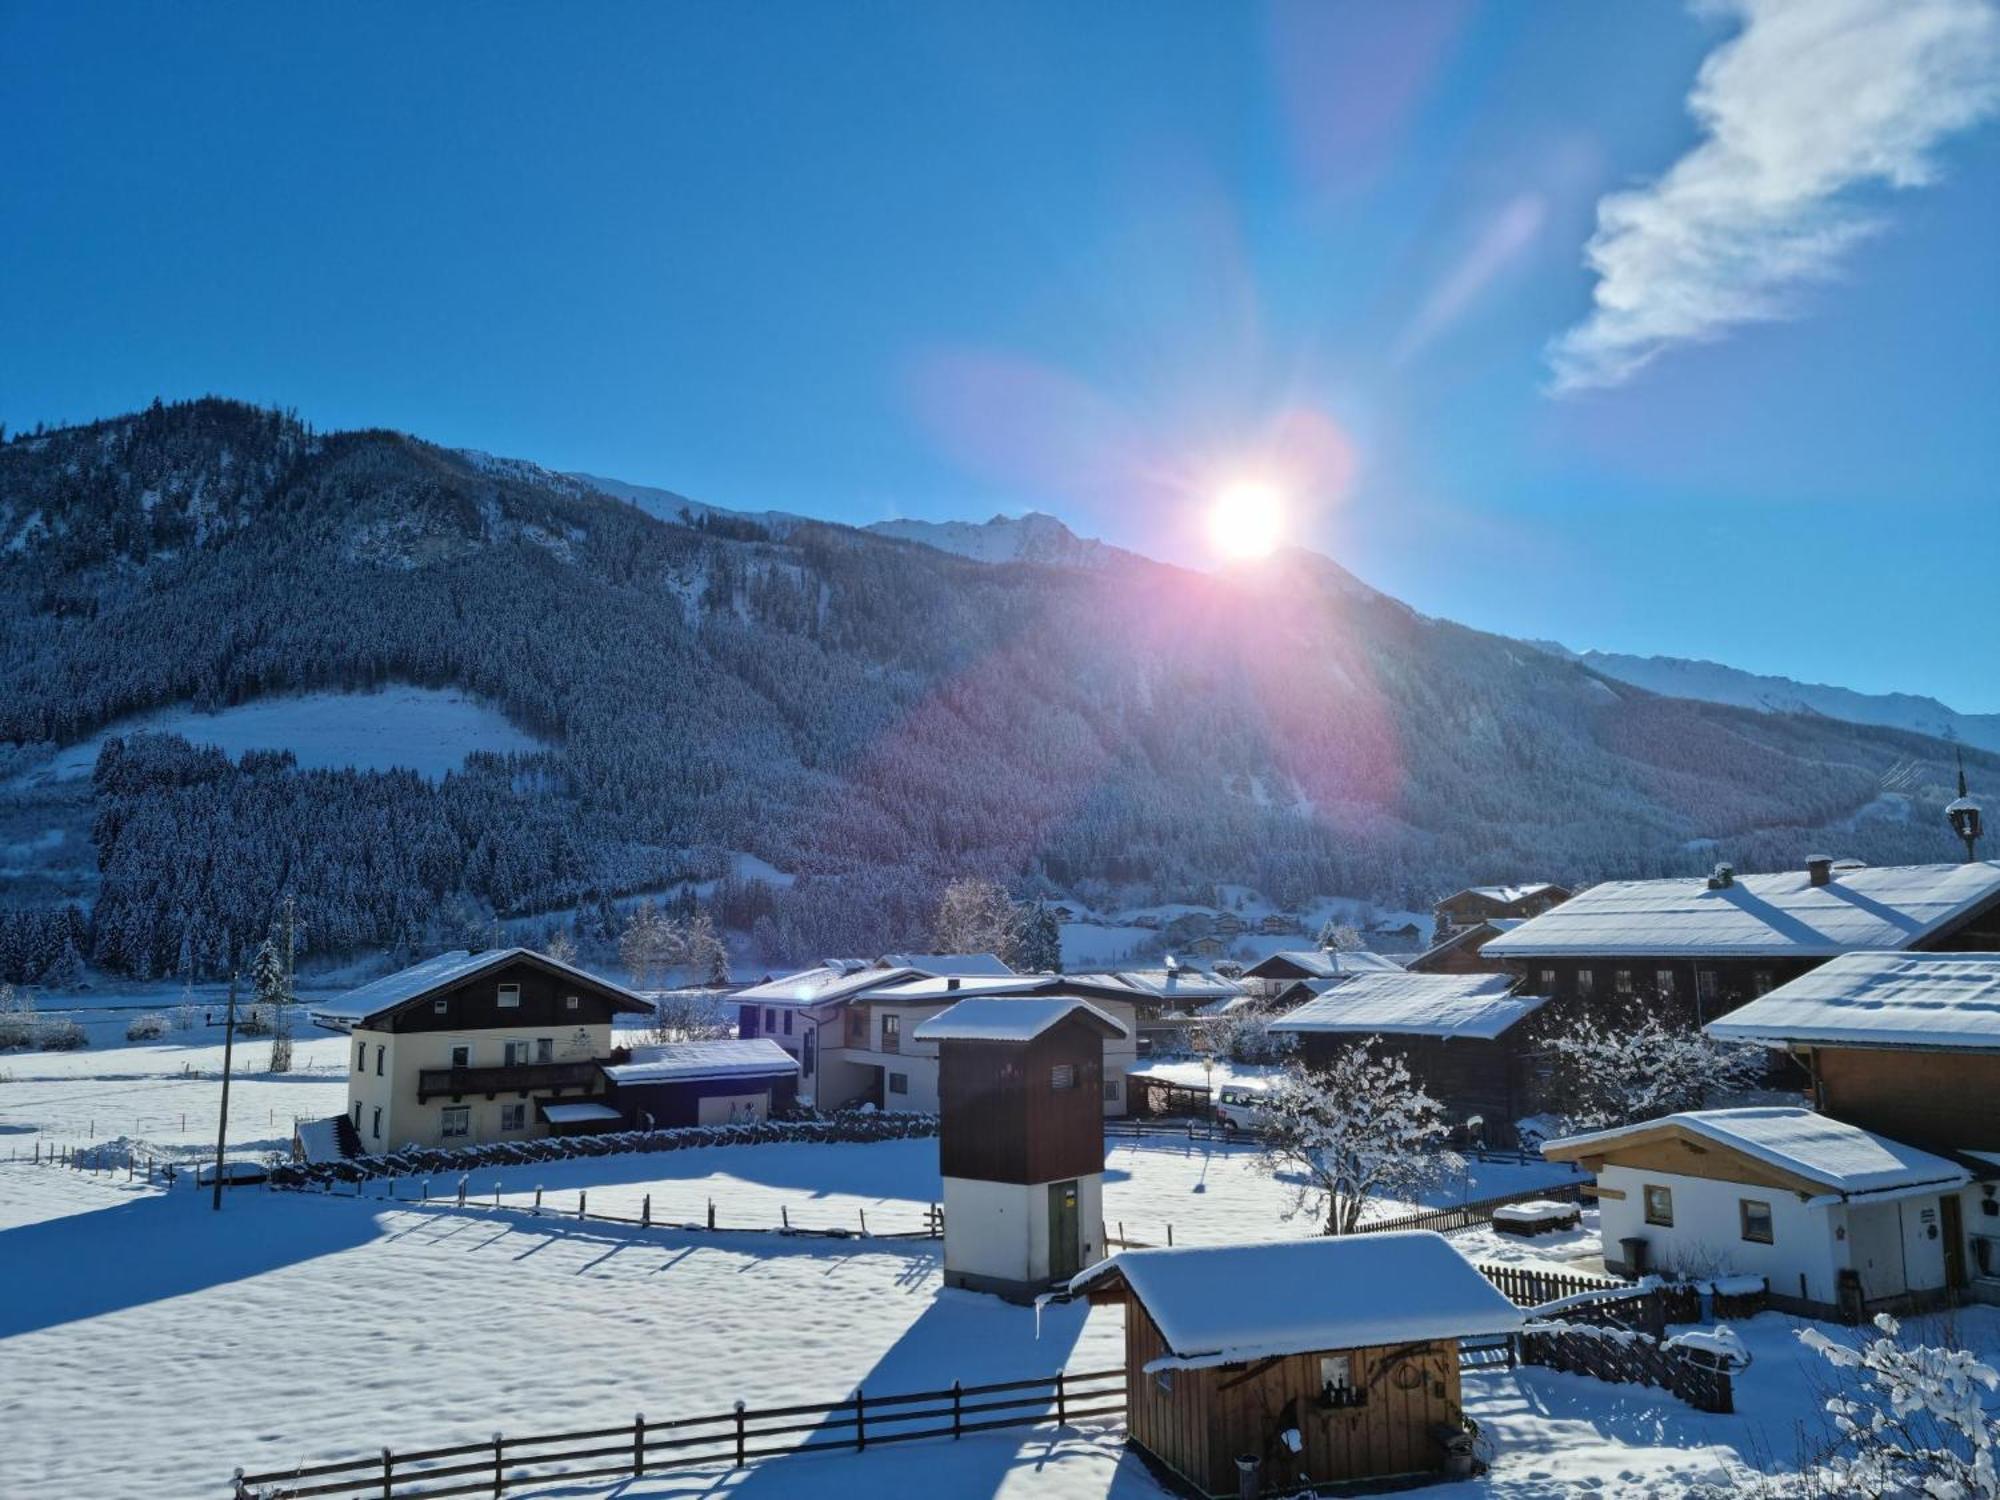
(1246, 520)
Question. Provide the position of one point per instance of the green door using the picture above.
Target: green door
(1065, 1249)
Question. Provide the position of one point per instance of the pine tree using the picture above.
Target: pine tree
(1037, 939)
(272, 987)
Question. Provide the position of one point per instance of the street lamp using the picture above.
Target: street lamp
(1965, 815)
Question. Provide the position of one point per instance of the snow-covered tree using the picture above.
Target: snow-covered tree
(1337, 936)
(560, 946)
(679, 1016)
(1037, 939)
(700, 948)
(274, 1000)
(640, 944)
(1637, 1067)
(1912, 1419)
(975, 916)
(1244, 1037)
(1358, 1129)
(18, 1022)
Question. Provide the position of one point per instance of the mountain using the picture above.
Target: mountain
(710, 695)
(1711, 682)
(669, 506)
(1032, 538)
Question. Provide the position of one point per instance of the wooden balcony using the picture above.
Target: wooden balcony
(511, 1078)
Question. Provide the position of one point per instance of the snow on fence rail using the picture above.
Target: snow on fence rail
(1627, 1355)
(423, 1160)
(1475, 1215)
(733, 1438)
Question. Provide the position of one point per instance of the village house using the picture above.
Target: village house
(1264, 1368)
(471, 1047)
(1702, 947)
(1464, 952)
(1020, 1139)
(1170, 1003)
(1837, 1220)
(1483, 903)
(722, 1082)
(1467, 1039)
(1273, 976)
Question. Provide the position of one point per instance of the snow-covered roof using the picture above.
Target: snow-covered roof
(393, 991)
(1879, 1000)
(1507, 895)
(1226, 1304)
(1001, 1019)
(319, 1140)
(1181, 982)
(1776, 916)
(1321, 963)
(759, 1057)
(844, 978)
(578, 1114)
(1403, 1004)
(931, 989)
(1843, 1158)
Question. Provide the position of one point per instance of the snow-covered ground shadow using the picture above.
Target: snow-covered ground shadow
(149, 1247)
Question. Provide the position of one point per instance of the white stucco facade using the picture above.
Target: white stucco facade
(383, 1069)
(996, 1234)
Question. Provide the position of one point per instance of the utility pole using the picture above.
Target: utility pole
(222, 1131)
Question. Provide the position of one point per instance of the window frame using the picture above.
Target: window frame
(1770, 1234)
(461, 1055)
(1062, 1077)
(375, 1124)
(1646, 1192)
(501, 992)
(441, 1005)
(519, 1115)
(899, 1083)
(463, 1112)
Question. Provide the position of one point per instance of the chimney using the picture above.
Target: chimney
(951, 982)
(1723, 878)
(1819, 868)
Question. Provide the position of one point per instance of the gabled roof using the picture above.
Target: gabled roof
(1478, 1006)
(964, 965)
(675, 1062)
(1320, 963)
(1002, 1019)
(1228, 1304)
(842, 978)
(1934, 1000)
(392, 992)
(1827, 1153)
(1505, 895)
(1474, 936)
(1781, 915)
(950, 988)
(1182, 982)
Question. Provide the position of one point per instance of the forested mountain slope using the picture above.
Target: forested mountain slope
(871, 714)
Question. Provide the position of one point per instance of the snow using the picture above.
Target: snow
(1009, 1020)
(760, 1057)
(1536, 1211)
(1776, 915)
(1221, 1073)
(1176, 982)
(578, 1114)
(840, 978)
(393, 991)
(1839, 1156)
(1224, 1304)
(426, 730)
(320, 1139)
(1878, 1000)
(1445, 1005)
(1321, 963)
(1507, 895)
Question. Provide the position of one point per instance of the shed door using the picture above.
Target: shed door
(1065, 1249)
(1875, 1247)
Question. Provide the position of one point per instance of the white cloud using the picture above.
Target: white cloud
(1812, 98)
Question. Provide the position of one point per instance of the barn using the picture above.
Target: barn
(1321, 1361)
(702, 1083)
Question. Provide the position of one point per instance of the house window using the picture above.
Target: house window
(746, 1021)
(513, 1117)
(806, 1054)
(1548, 981)
(375, 1123)
(1660, 1206)
(357, 1114)
(545, 1049)
(1586, 981)
(440, 1005)
(899, 1083)
(1164, 1379)
(1756, 1216)
(1760, 982)
(510, 997)
(770, 1020)
(1062, 1076)
(857, 1028)
(1336, 1372)
(1621, 981)
(570, 1002)
(461, 1057)
(1110, 1091)
(517, 1054)
(1707, 987)
(1663, 982)
(892, 1033)
(361, 1057)
(457, 1121)
(380, 1048)
(788, 1023)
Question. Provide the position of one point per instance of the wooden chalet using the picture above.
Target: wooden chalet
(1482, 903)
(1702, 947)
(1464, 952)
(1255, 1369)
(1466, 1038)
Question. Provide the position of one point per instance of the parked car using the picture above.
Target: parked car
(1236, 1106)
(234, 1174)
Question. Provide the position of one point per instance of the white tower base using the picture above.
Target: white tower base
(1003, 1237)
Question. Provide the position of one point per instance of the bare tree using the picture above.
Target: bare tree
(1638, 1067)
(975, 916)
(1359, 1129)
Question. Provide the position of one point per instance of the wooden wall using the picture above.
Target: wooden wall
(1198, 1426)
(1468, 1076)
(1941, 1101)
(472, 1005)
(1002, 1121)
(678, 1101)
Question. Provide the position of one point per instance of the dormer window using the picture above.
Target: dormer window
(440, 1005)
(510, 997)
(571, 1002)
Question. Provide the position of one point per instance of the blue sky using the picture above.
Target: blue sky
(942, 260)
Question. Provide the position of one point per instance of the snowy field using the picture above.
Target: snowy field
(323, 1327)
(426, 730)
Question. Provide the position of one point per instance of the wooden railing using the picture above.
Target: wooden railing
(507, 1078)
(733, 1438)
(1527, 1287)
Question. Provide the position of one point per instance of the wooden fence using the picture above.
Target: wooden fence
(1526, 1286)
(735, 1438)
(1631, 1357)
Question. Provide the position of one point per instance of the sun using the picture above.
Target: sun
(1246, 520)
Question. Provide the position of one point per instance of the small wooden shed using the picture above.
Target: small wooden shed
(720, 1082)
(1321, 1361)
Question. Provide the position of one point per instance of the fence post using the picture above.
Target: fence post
(1170, 1236)
(1062, 1406)
(461, 1192)
(538, 1197)
(711, 1213)
(957, 1401)
(864, 1221)
(646, 1212)
(388, 1473)
(860, 1420)
(579, 1203)
(499, 1481)
(785, 1214)
(638, 1443)
(739, 1434)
